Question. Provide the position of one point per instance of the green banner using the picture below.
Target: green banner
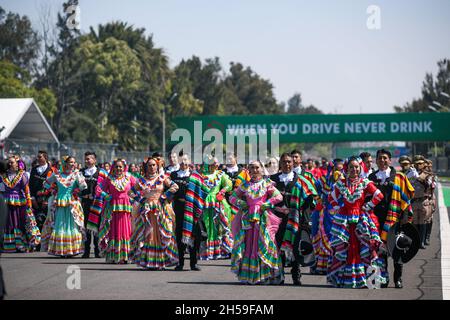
(329, 127)
(344, 152)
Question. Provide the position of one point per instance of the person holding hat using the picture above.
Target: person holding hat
(354, 236)
(39, 196)
(90, 173)
(422, 203)
(407, 168)
(255, 257)
(181, 178)
(298, 195)
(394, 206)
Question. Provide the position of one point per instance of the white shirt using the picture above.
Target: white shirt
(366, 175)
(90, 171)
(233, 169)
(412, 174)
(383, 175)
(287, 177)
(183, 173)
(171, 169)
(298, 170)
(41, 169)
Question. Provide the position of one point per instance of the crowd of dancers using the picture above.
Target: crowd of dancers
(340, 218)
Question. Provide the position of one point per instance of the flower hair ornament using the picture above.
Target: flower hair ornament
(62, 162)
(350, 159)
(146, 162)
(21, 165)
(114, 164)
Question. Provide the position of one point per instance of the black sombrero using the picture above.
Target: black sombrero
(403, 241)
(303, 249)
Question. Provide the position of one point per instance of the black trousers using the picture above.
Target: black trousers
(398, 266)
(295, 271)
(41, 213)
(179, 219)
(86, 204)
(422, 228)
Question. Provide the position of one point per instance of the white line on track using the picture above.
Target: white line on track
(445, 245)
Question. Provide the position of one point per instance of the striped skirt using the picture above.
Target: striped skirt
(353, 240)
(255, 258)
(15, 233)
(66, 239)
(153, 243)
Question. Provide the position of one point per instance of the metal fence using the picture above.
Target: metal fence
(105, 152)
(108, 152)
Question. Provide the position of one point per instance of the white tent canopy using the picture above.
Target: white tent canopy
(22, 119)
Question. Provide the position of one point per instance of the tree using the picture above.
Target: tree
(111, 70)
(14, 83)
(433, 90)
(200, 81)
(256, 94)
(140, 126)
(61, 76)
(19, 43)
(295, 106)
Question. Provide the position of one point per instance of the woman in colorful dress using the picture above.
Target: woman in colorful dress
(153, 241)
(63, 231)
(321, 219)
(217, 214)
(354, 236)
(21, 232)
(255, 256)
(115, 226)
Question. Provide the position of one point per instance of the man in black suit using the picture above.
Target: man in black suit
(384, 181)
(284, 182)
(39, 196)
(181, 178)
(90, 173)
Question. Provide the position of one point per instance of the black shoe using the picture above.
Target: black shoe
(195, 268)
(85, 255)
(399, 284)
(97, 255)
(179, 268)
(385, 285)
(297, 282)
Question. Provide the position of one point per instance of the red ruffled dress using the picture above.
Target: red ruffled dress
(354, 235)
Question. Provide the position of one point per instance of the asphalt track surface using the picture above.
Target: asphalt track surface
(36, 276)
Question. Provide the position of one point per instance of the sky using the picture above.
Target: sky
(323, 50)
